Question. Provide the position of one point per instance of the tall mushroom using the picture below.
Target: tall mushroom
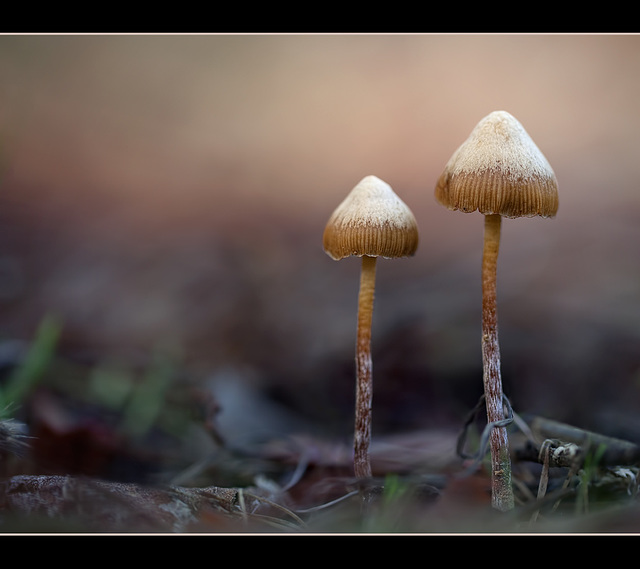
(371, 222)
(500, 172)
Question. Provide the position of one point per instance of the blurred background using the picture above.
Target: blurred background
(168, 194)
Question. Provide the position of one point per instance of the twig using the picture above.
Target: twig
(329, 504)
(616, 451)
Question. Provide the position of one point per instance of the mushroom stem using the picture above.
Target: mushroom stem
(502, 492)
(364, 383)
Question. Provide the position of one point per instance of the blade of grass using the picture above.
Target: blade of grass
(26, 376)
(147, 399)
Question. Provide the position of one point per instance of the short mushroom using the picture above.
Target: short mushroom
(371, 222)
(500, 172)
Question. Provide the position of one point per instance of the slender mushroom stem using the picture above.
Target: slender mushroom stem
(502, 492)
(364, 383)
(371, 221)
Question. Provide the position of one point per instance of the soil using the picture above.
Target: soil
(82, 466)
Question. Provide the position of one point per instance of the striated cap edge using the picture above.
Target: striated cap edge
(372, 220)
(499, 170)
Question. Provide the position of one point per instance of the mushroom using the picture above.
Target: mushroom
(500, 172)
(371, 222)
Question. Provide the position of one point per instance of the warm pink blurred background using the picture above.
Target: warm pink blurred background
(172, 190)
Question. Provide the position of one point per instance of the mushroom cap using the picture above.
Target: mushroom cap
(372, 220)
(499, 170)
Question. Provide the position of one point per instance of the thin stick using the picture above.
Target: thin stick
(502, 491)
(364, 378)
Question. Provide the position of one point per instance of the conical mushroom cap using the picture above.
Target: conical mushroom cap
(372, 220)
(499, 170)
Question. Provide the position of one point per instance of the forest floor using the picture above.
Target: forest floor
(85, 453)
